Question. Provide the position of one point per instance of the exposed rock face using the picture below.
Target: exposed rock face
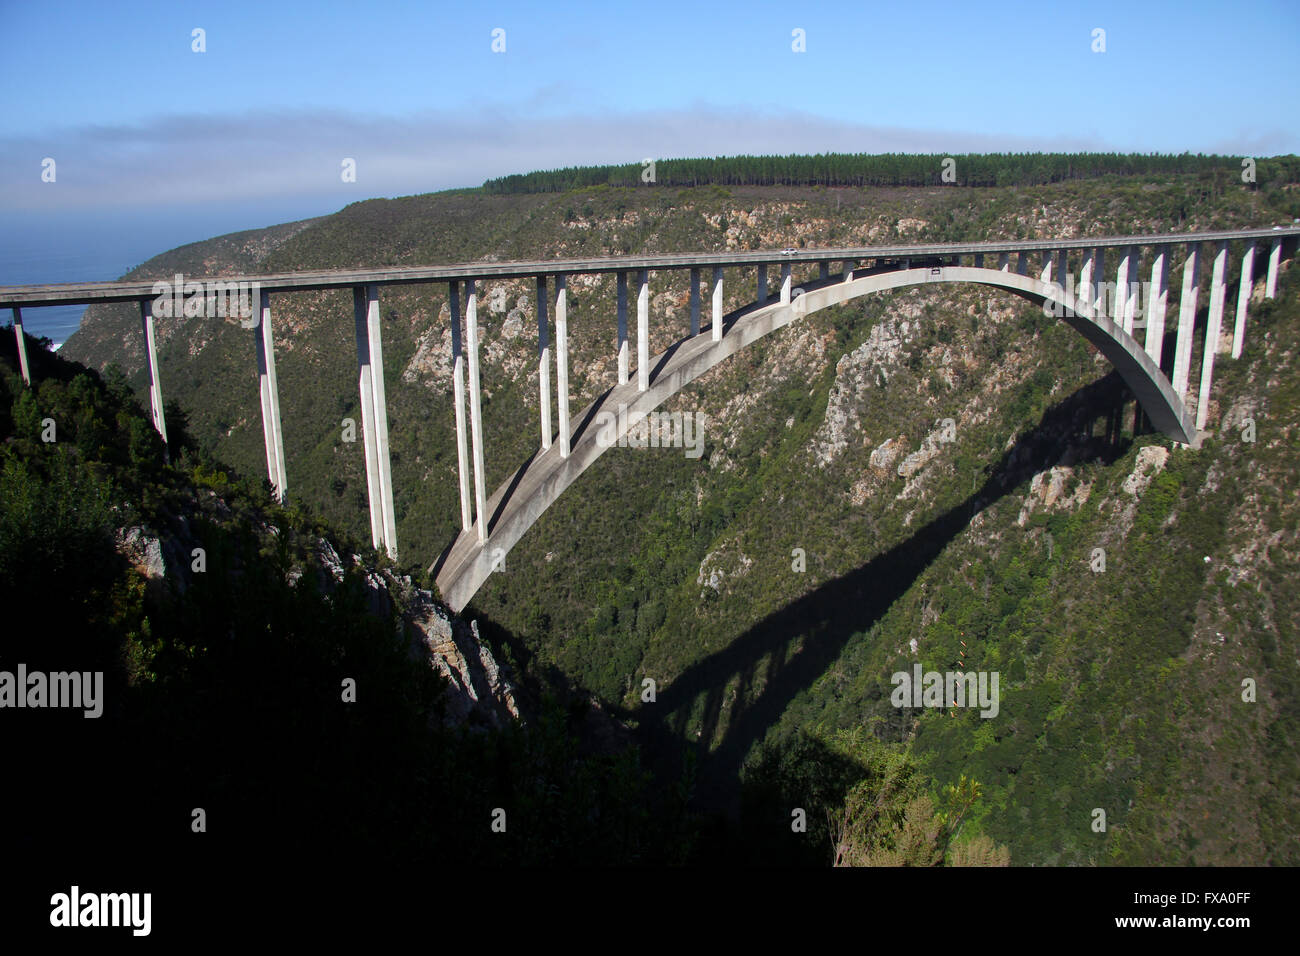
(918, 459)
(865, 367)
(883, 455)
(143, 551)
(479, 691)
(1047, 488)
(713, 572)
(1150, 462)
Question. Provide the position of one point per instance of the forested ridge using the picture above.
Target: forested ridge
(892, 169)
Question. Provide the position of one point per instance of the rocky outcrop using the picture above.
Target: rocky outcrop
(867, 366)
(1150, 462)
(479, 691)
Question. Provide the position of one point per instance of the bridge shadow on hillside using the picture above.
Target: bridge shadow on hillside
(828, 615)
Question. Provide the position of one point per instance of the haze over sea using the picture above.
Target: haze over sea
(104, 243)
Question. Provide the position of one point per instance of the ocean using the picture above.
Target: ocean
(104, 244)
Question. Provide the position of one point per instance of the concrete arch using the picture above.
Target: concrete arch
(517, 504)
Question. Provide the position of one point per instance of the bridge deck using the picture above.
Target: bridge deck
(30, 296)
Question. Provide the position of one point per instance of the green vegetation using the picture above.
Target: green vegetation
(1116, 689)
(223, 686)
(892, 169)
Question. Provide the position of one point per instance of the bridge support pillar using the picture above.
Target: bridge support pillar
(264, 344)
(823, 270)
(1004, 261)
(374, 415)
(562, 359)
(1212, 332)
(1099, 280)
(1022, 264)
(1119, 308)
(1085, 279)
(1218, 298)
(1059, 278)
(1156, 304)
(475, 410)
(543, 364)
(847, 270)
(458, 389)
(22, 346)
(762, 284)
(1045, 274)
(643, 331)
(979, 260)
(695, 301)
(151, 367)
(717, 304)
(1186, 322)
(1243, 299)
(622, 329)
(785, 283)
(1274, 261)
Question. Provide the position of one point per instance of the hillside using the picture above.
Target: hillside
(1121, 690)
(255, 666)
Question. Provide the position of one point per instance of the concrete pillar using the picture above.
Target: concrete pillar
(458, 383)
(979, 260)
(847, 268)
(543, 364)
(622, 329)
(1045, 274)
(643, 331)
(22, 346)
(1004, 261)
(1274, 261)
(1061, 268)
(1243, 299)
(717, 303)
(1218, 296)
(151, 368)
(762, 284)
(1119, 308)
(476, 409)
(785, 283)
(1214, 327)
(374, 416)
(1157, 303)
(1085, 290)
(1022, 263)
(1186, 323)
(1098, 278)
(562, 359)
(823, 270)
(1133, 289)
(264, 344)
(695, 301)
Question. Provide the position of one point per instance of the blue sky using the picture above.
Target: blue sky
(414, 93)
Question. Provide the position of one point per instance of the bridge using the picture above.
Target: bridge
(1105, 313)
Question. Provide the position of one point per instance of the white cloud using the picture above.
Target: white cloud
(276, 154)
